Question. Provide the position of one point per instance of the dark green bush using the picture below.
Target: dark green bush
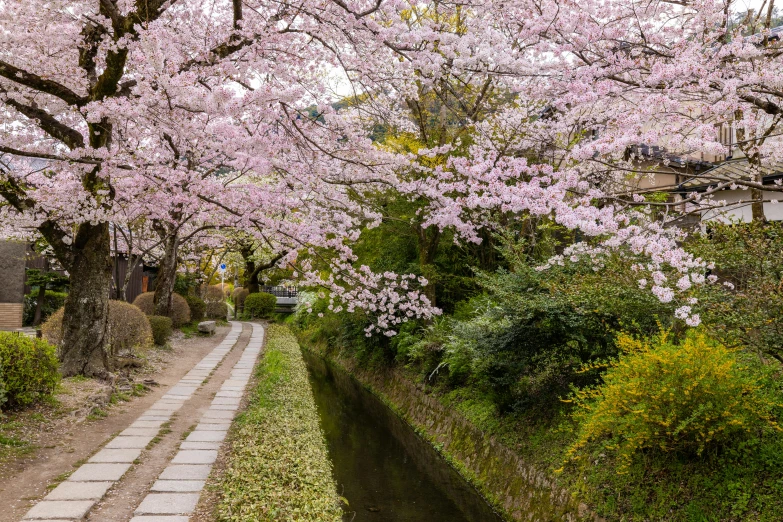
(260, 305)
(29, 369)
(161, 328)
(53, 302)
(198, 307)
(217, 310)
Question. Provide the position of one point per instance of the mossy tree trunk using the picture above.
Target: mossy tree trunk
(83, 348)
(167, 270)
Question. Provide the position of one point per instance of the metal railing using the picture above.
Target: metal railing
(281, 291)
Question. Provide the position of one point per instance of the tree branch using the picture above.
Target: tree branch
(37, 83)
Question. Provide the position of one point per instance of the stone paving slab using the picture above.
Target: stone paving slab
(178, 486)
(129, 442)
(224, 407)
(147, 424)
(116, 455)
(79, 491)
(229, 394)
(160, 518)
(216, 426)
(69, 509)
(139, 432)
(168, 504)
(218, 414)
(206, 436)
(195, 457)
(186, 472)
(226, 401)
(99, 472)
(200, 445)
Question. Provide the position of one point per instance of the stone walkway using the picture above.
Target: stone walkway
(175, 494)
(74, 498)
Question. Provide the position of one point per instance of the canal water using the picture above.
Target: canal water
(385, 471)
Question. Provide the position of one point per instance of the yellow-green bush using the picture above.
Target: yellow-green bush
(671, 397)
(28, 369)
(129, 329)
(180, 311)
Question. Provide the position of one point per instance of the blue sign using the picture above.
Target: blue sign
(222, 267)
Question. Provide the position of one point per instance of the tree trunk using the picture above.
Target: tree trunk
(251, 273)
(757, 205)
(428, 241)
(39, 304)
(167, 276)
(85, 326)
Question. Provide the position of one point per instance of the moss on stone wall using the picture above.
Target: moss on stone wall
(517, 490)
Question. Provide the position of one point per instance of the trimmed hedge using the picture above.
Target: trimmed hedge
(217, 310)
(278, 467)
(214, 294)
(29, 369)
(180, 311)
(129, 329)
(240, 294)
(161, 328)
(260, 305)
(198, 308)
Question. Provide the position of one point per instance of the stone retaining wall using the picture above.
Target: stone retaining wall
(520, 491)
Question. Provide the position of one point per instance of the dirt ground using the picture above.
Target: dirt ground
(41, 446)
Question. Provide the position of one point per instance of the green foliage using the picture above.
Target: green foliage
(185, 284)
(671, 397)
(239, 295)
(197, 307)
(748, 309)
(180, 311)
(29, 370)
(161, 328)
(278, 467)
(52, 302)
(217, 310)
(260, 305)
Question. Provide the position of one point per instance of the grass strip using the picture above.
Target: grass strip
(279, 468)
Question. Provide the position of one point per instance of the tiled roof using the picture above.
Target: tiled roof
(730, 170)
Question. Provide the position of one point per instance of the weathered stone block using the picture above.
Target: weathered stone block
(207, 327)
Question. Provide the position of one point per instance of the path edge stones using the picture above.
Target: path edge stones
(73, 498)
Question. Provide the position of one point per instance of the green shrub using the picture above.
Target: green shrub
(129, 329)
(217, 310)
(240, 294)
(180, 311)
(260, 305)
(214, 294)
(161, 328)
(197, 308)
(53, 302)
(671, 397)
(29, 369)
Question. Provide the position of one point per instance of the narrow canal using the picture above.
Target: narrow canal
(384, 470)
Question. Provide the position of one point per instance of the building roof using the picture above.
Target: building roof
(730, 170)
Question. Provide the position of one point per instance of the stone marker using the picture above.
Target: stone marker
(207, 327)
